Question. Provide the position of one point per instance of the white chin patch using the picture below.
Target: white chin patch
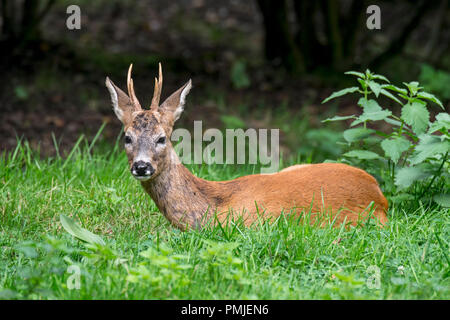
(142, 178)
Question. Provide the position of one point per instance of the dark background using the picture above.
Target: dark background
(256, 63)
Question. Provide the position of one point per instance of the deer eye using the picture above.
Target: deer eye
(127, 140)
(161, 140)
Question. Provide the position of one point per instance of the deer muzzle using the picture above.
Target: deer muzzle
(142, 170)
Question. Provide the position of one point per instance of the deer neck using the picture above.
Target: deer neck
(183, 198)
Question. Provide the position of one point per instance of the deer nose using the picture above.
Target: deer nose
(141, 169)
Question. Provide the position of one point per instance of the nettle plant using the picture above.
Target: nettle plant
(414, 154)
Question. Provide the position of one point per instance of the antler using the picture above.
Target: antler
(158, 88)
(130, 86)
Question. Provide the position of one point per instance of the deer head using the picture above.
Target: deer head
(147, 131)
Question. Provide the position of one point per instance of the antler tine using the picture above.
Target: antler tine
(160, 79)
(158, 89)
(155, 95)
(130, 86)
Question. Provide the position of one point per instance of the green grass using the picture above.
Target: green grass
(145, 258)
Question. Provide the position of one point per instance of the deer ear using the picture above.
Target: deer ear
(121, 102)
(173, 106)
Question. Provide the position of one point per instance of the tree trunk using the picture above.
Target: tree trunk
(334, 31)
(7, 17)
(352, 26)
(399, 42)
(336, 50)
(18, 34)
(313, 52)
(279, 42)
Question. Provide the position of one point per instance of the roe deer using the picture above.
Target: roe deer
(186, 200)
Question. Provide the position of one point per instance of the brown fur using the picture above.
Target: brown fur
(336, 192)
(346, 191)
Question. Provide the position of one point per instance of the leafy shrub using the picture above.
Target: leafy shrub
(437, 81)
(161, 268)
(415, 150)
(239, 76)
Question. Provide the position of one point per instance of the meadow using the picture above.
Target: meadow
(144, 257)
(254, 64)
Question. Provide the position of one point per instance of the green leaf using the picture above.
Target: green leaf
(21, 92)
(232, 122)
(372, 111)
(429, 146)
(28, 251)
(369, 105)
(398, 281)
(393, 122)
(394, 147)
(380, 77)
(442, 122)
(417, 116)
(390, 95)
(406, 176)
(443, 117)
(354, 73)
(404, 96)
(401, 197)
(375, 87)
(394, 88)
(74, 229)
(239, 76)
(339, 118)
(341, 93)
(362, 83)
(356, 134)
(8, 294)
(362, 154)
(372, 116)
(442, 199)
(429, 96)
(413, 87)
